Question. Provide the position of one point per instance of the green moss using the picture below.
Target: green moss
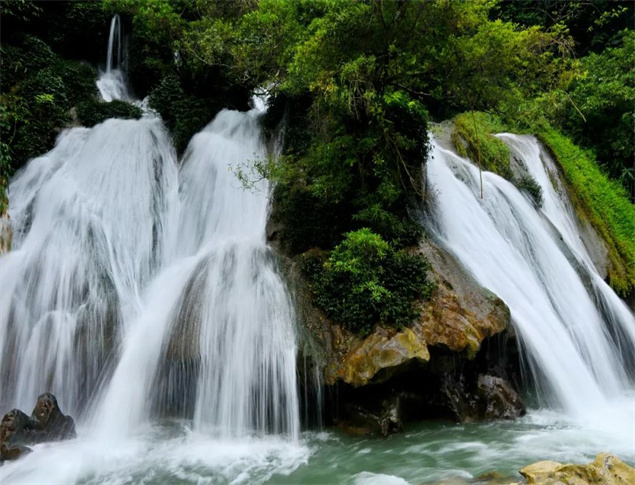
(602, 201)
(473, 138)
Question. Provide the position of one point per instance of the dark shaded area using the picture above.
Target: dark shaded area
(449, 387)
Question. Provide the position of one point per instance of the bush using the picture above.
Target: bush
(93, 112)
(364, 281)
(184, 115)
(529, 185)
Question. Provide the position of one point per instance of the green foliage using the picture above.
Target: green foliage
(592, 23)
(601, 200)
(93, 111)
(473, 138)
(364, 281)
(605, 95)
(38, 90)
(183, 114)
(528, 184)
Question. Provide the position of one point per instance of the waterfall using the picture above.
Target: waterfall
(112, 83)
(565, 316)
(139, 287)
(221, 309)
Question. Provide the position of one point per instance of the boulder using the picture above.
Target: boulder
(459, 316)
(383, 419)
(434, 364)
(606, 469)
(50, 424)
(497, 399)
(14, 430)
(46, 423)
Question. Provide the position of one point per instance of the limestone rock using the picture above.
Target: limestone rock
(606, 469)
(540, 471)
(458, 317)
(382, 350)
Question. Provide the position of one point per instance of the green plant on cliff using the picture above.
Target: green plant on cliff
(93, 111)
(602, 200)
(364, 281)
(473, 138)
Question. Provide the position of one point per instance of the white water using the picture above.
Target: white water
(111, 82)
(516, 251)
(137, 284)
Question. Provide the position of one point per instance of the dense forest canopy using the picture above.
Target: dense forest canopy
(353, 87)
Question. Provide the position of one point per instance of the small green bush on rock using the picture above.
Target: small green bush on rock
(364, 282)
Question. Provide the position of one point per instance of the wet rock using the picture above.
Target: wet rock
(46, 423)
(606, 469)
(497, 399)
(6, 234)
(379, 420)
(50, 424)
(383, 350)
(14, 430)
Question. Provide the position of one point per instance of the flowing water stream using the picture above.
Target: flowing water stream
(141, 286)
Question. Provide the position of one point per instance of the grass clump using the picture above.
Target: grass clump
(473, 138)
(603, 201)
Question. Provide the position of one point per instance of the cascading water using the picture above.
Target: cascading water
(223, 311)
(137, 287)
(112, 83)
(77, 269)
(534, 260)
(140, 289)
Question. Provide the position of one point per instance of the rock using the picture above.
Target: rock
(6, 234)
(459, 316)
(459, 335)
(540, 471)
(50, 423)
(382, 420)
(606, 469)
(13, 430)
(497, 400)
(383, 350)
(46, 423)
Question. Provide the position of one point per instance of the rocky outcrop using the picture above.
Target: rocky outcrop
(606, 469)
(377, 382)
(46, 423)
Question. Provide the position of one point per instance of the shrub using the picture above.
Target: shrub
(529, 185)
(93, 112)
(364, 281)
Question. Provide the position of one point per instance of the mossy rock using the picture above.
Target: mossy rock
(473, 138)
(91, 113)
